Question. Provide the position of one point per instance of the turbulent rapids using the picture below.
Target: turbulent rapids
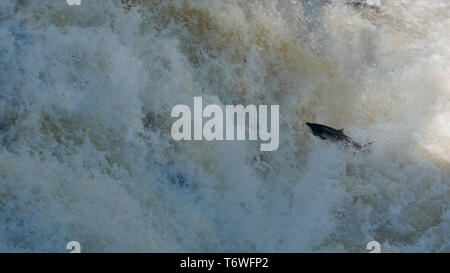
(86, 152)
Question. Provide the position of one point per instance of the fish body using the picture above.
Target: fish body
(336, 136)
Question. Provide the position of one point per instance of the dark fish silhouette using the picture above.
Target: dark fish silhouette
(336, 136)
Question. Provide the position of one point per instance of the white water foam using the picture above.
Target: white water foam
(85, 146)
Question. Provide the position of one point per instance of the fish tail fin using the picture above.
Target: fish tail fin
(366, 147)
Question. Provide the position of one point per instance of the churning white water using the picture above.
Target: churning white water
(86, 152)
